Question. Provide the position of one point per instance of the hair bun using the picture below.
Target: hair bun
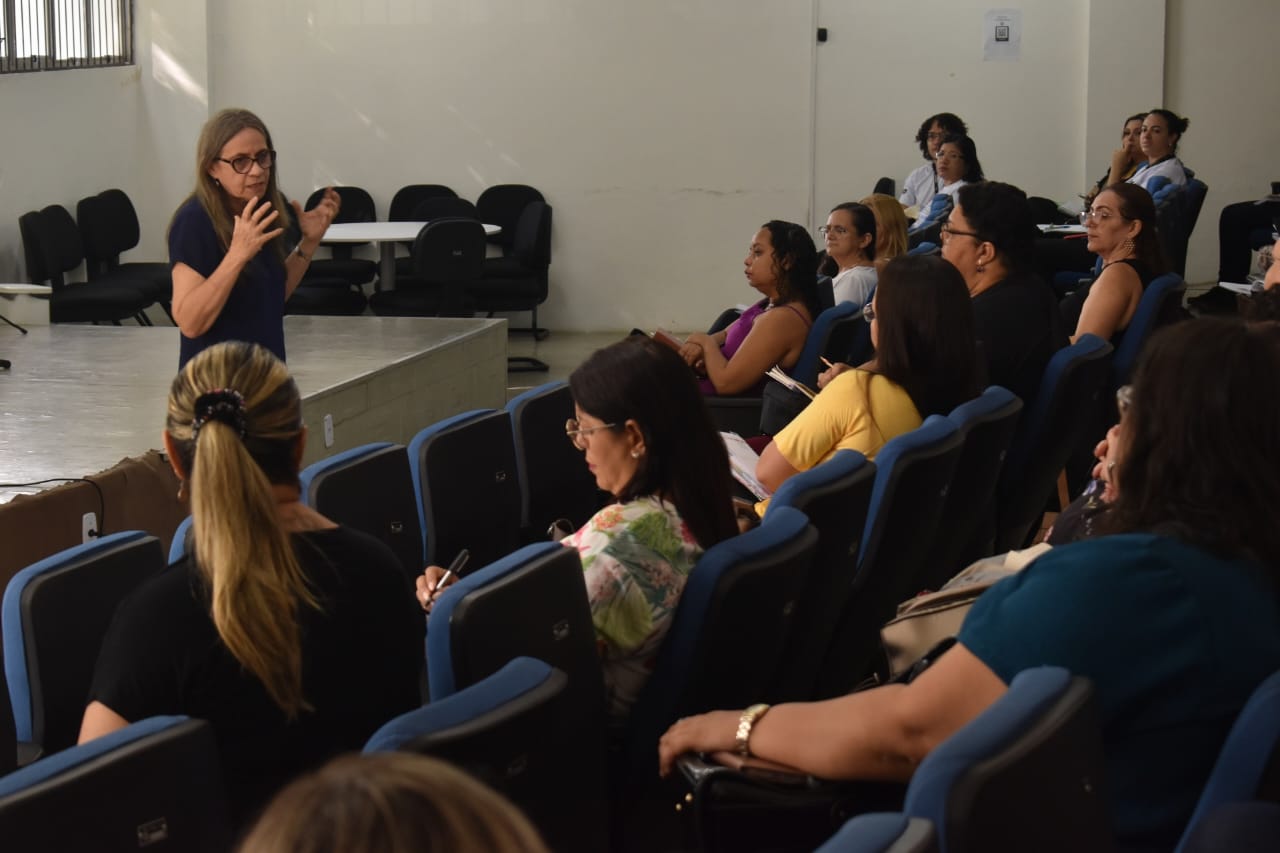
(220, 404)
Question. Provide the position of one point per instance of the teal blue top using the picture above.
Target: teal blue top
(1174, 638)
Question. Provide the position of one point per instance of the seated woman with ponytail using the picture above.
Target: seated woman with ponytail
(294, 637)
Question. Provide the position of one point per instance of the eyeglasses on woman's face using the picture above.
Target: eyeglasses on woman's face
(242, 164)
(948, 231)
(838, 230)
(1099, 215)
(578, 434)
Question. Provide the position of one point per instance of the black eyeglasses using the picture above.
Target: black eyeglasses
(577, 434)
(242, 164)
(949, 231)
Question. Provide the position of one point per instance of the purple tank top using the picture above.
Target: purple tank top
(733, 338)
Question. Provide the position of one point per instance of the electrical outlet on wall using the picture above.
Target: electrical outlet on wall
(328, 430)
(89, 527)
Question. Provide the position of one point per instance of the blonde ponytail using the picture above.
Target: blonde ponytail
(234, 449)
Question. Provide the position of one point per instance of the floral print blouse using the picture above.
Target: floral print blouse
(635, 559)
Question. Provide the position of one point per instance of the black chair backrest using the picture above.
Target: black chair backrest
(502, 204)
(357, 206)
(155, 785)
(837, 509)
(913, 476)
(65, 613)
(374, 494)
(63, 246)
(555, 482)
(885, 186)
(408, 197)
(532, 243)
(443, 207)
(449, 250)
(967, 529)
(1049, 432)
(471, 491)
(30, 228)
(95, 231)
(8, 733)
(124, 232)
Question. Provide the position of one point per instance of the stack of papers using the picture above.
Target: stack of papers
(778, 375)
(742, 462)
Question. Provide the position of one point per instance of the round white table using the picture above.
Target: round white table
(386, 235)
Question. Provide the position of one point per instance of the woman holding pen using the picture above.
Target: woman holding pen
(926, 363)
(647, 437)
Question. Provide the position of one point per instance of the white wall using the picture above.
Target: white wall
(70, 134)
(663, 133)
(1219, 73)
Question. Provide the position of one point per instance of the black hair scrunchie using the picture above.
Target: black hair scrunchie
(220, 404)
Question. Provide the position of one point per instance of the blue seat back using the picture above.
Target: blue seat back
(883, 832)
(54, 616)
(1026, 774)
(1150, 308)
(1248, 762)
(1053, 427)
(370, 489)
(835, 496)
(154, 785)
(967, 531)
(464, 478)
(913, 474)
(511, 731)
(180, 545)
(817, 342)
(554, 479)
(728, 631)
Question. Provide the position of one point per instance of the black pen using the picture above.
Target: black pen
(458, 564)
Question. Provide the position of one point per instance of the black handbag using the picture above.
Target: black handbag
(778, 406)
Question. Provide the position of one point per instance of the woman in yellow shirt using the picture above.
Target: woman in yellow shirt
(926, 363)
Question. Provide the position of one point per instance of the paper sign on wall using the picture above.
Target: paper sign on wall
(1002, 35)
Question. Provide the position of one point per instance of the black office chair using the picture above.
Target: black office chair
(154, 785)
(51, 246)
(555, 482)
(502, 205)
(519, 280)
(357, 206)
(54, 617)
(109, 225)
(885, 186)
(465, 477)
(913, 475)
(428, 210)
(448, 256)
(370, 489)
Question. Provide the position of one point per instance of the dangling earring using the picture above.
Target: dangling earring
(1128, 245)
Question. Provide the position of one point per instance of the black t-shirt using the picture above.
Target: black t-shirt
(362, 660)
(1020, 328)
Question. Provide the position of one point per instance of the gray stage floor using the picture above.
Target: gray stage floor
(80, 398)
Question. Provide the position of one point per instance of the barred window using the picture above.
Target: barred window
(45, 35)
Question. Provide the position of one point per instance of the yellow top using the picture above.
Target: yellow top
(858, 410)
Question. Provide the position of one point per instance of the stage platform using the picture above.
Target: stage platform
(79, 399)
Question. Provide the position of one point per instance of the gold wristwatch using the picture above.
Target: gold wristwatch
(745, 723)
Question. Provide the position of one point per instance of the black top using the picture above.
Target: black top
(1073, 303)
(362, 659)
(1020, 328)
(254, 310)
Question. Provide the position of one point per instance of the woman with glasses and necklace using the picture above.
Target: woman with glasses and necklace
(234, 263)
(850, 235)
(1121, 225)
(988, 237)
(647, 436)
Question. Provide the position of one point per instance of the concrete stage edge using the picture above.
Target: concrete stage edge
(81, 398)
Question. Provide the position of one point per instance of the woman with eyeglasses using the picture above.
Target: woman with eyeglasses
(648, 438)
(1174, 617)
(850, 235)
(234, 262)
(957, 165)
(988, 237)
(922, 184)
(925, 363)
(782, 265)
(1121, 224)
